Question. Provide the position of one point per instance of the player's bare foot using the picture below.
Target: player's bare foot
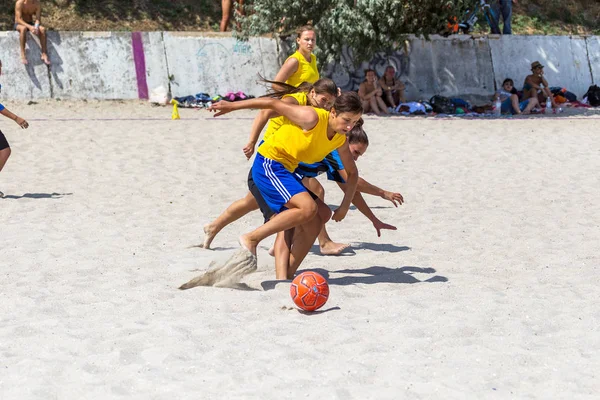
(45, 59)
(247, 244)
(209, 235)
(333, 249)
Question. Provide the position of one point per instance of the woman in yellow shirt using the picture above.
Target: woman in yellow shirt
(308, 137)
(321, 94)
(302, 65)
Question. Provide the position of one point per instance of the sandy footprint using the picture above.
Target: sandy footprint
(228, 274)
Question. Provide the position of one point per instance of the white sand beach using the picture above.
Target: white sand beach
(489, 289)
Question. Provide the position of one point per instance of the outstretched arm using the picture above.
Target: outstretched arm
(20, 121)
(365, 187)
(305, 117)
(351, 178)
(363, 207)
(259, 123)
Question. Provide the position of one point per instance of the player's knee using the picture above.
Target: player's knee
(310, 211)
(325, 213)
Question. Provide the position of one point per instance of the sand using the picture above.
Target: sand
(488, 289)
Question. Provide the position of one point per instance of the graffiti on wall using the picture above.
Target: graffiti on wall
(349, 76)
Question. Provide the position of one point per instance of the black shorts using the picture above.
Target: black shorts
(267, 212)
(262, 204)
(3, 141)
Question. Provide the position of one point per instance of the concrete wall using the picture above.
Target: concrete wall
(216, 65)
(125, 65)
(95, 65)
(472, 67)
(593, 46)
(22, 82)
(565, 60)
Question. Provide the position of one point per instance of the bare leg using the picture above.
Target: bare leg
(301, 208)
(373, 105)
(382, 105)
(22, 40)
(400, 96)
(282, 250)
(241, 12)
(43, 43)
(302, 244)
(390, 99)
(530, 93)
(227, 6)
(514, 100)
(235, 211)
(4, 154)
(532, 103)
(366, 106)
(327, 246)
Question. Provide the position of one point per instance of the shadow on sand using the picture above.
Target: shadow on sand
(350, 251)
(37, 196)
(369, 276)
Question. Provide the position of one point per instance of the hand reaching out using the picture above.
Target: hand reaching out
(221, 107)
(339, 214)
(22, 123)
(379, 225)
(395, 198)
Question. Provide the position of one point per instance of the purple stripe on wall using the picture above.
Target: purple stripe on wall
(140, 64)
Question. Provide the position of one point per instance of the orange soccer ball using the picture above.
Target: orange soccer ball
(309, 290)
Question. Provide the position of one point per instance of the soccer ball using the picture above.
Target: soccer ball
(309, 290)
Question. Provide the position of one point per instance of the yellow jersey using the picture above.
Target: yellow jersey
(306, 72)
(290, 145)
(275, 123)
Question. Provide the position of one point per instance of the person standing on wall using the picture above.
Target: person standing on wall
(28, 16)
(227, 9)
(504, 8)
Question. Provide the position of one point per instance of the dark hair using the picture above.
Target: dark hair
(322, 86)
(358, 134)
(303, 29)
(508, 80)
(348, 102)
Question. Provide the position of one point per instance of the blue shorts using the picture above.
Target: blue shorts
(331, 165)
(507, 106)
(276, 184)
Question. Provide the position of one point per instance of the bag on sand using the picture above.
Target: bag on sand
(442, 105)
(593, 96)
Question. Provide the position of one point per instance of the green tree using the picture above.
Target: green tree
(365, 26)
